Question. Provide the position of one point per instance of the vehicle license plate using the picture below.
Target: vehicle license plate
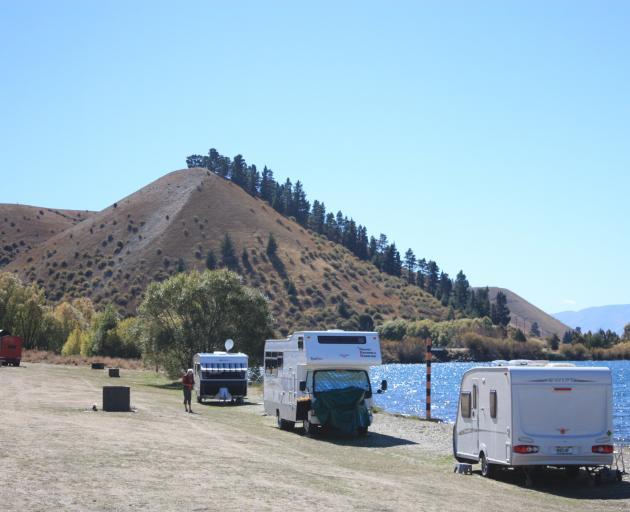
(564, 450)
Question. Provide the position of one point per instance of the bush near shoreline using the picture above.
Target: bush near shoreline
(404, 341)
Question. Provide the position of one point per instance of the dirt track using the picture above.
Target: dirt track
(56, 454)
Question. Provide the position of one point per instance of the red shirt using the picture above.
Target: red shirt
(188, 381)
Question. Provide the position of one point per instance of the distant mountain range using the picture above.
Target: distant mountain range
(592, 319)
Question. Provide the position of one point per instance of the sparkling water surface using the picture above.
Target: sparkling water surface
(407, 384)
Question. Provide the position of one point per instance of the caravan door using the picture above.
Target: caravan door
(475, 416)
(467, 426)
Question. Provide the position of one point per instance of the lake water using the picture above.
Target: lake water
(406, 390)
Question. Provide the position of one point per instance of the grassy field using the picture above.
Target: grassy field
(58, 454)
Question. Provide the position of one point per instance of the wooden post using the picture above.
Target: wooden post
(428, 358)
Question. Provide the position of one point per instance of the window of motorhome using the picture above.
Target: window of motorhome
(341, 340)
(465, 402)
(328, 380)
(273, 361)
(493, 403)
(300, 343)
(474, 396)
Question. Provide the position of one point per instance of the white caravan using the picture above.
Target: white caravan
(220, 375)
(309, 363)
(533, 413)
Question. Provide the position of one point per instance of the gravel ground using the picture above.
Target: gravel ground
(57, 454)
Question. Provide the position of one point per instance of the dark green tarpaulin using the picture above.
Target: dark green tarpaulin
(343, 409)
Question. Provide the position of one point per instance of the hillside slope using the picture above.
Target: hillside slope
(174, 222)
(613, 317)
(23, 227)
(524, 314)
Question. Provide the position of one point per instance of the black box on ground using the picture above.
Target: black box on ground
(98, 366)
(114, 372)
(116, 398)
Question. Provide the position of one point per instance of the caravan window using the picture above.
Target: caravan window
(493, 404)
(465, 402)
(342, 340)
(474, 397)
(273, 361)
(300, 343)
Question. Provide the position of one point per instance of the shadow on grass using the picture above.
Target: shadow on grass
(221, 403)
(169, 385)
(371, 440)
(556, 482)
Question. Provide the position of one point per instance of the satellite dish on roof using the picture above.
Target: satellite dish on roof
(229, 345)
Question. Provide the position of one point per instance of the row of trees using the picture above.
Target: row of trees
(72, 327)
(598, 339)
(190, 312)
(291, 200)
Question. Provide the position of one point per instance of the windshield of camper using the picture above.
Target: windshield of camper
(563, 408)
(328, 380)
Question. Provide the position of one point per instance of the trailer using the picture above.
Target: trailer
(220, 375)
(320, 378)
(10, 349)
(522, 414)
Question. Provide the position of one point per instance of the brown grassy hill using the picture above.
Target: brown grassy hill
(116, 253)
(525, 314)
(23, 227)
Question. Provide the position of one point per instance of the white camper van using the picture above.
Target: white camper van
(325, 371)
(220, 375)
(533, 413)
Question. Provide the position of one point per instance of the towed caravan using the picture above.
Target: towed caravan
(321, 379)
(220, 375)
(533, 413)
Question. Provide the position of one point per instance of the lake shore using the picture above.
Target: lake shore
(58, 454)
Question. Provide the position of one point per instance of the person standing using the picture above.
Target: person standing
(188, 381)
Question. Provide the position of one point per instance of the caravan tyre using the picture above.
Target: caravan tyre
(487, 469)
(199, 399)
(286, 425)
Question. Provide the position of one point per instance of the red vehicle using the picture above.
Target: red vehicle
(10, 349)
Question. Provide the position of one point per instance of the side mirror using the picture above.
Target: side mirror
(302, 385)
(383, 385)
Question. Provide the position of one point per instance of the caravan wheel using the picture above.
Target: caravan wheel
(283, 424)
(199, 399)
(487, 469)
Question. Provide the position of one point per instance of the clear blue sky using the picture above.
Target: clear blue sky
(492, 137)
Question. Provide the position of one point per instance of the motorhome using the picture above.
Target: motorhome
(321, 378)
(220, 375)
(530, 413)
